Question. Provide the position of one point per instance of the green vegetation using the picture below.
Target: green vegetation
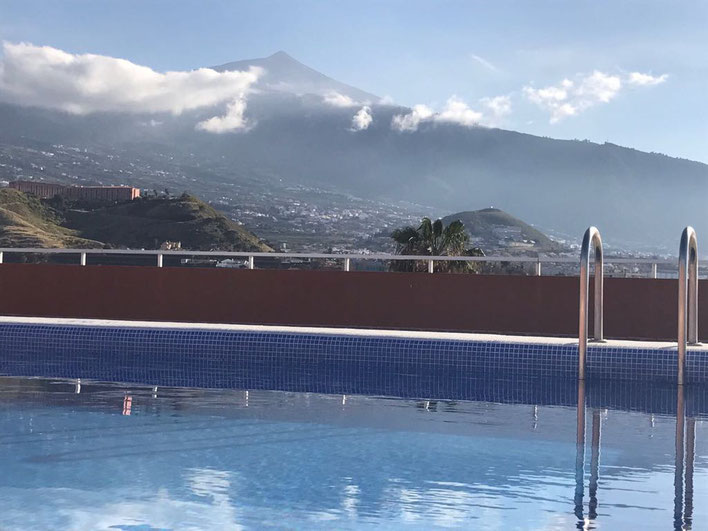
(26, 221)
(494, 228)
(434, 238)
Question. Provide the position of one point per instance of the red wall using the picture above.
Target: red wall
(634, 308)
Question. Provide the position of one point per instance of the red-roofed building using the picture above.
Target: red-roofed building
(88, 193)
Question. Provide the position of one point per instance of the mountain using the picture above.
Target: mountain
(282, 73)
(145, 223)
(491, 228)
(639, 201)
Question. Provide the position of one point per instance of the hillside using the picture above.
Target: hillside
(296, 140)
(26, 221)
(491, 228)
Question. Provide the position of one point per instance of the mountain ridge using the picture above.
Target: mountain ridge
(563, 185)
(284, 73)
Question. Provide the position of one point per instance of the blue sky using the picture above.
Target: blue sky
(424, 52)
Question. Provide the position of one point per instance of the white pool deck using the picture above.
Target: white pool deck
(361, 332)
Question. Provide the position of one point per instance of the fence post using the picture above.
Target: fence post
(538, 268)
(83, 259)
(159, 260)
(431, 266)
(654, 269)
(347, 264)
(251, 262)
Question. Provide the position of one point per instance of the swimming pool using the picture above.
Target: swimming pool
(231, 426)
(111, 456)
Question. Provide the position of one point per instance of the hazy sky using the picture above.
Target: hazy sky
(634, 73)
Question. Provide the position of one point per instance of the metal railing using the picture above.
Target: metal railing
(347, 259)
(687, 297)
(591, 239)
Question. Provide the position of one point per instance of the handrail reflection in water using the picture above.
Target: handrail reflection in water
(690, 441)
(684, 464)
(678, 467)
(580, 461)
(685, 443)
(594, 463)
(580, 455)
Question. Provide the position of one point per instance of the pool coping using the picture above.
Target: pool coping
(360, 332)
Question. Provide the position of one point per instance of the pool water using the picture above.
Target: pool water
(107, 456)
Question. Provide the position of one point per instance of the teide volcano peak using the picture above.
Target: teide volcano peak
(283, 73)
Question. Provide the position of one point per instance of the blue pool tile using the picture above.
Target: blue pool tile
(330, 362)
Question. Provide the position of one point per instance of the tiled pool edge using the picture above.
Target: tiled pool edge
(278, 357)
(366, 332)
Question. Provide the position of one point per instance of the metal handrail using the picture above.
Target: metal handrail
(337, 256)
(591, 238)
(531, 259)
(687, 297)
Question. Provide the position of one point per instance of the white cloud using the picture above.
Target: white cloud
(549, 95)
(231, 121)
(47, 77)
(335, 99)
(362, 119)
(482, 61)
(410, 122)
(387, 100)
(498, 108)
(571, 97)
(598, 87)
(455, 111)
(637, 78)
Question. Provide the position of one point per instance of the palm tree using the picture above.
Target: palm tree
(432, 238)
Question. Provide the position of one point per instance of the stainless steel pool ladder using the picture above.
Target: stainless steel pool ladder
(687, 297)
(591, 238)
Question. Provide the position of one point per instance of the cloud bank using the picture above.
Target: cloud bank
(455, 111)
(335, 99)
(362, 119)
(234, 119)
(497, 109)
(643, 80)
(572, 97)
(47, 77)
(410, 122)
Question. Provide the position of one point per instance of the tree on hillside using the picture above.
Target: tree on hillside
(433, 238)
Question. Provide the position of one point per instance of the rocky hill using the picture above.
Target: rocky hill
(26, 221)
